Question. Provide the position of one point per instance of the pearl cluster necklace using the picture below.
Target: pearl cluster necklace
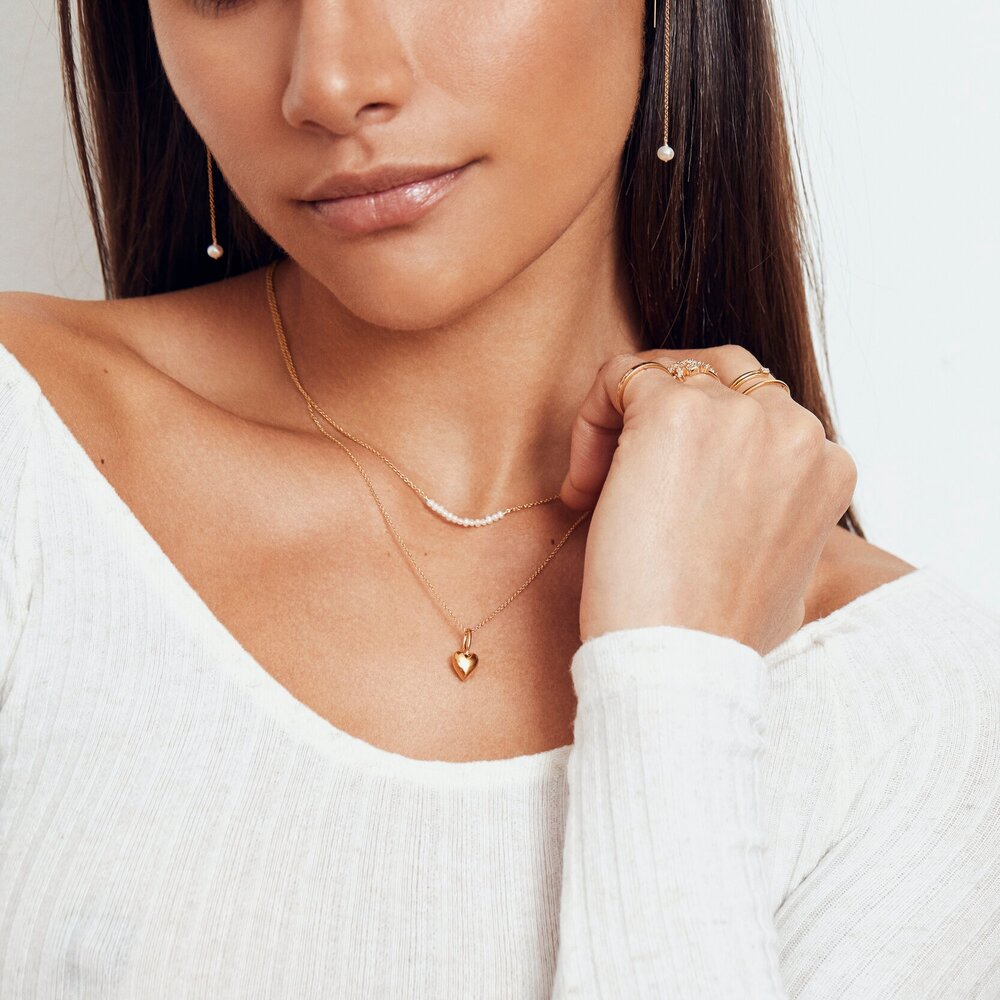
(465, 522)
(314, 409)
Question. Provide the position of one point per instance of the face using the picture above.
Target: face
(537, 96)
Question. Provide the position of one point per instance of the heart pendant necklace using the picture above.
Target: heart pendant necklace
(463, 661)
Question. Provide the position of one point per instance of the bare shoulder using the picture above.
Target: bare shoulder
(71, 349)
(91, 354)
(44, 332)
(849, 567)
(49, 331)
(109, 368)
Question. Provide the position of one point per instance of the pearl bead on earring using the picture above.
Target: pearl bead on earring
(214, 249)
(665, 152)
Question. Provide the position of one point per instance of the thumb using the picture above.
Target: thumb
(592, 447)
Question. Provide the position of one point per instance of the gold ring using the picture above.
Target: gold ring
(624, 380)
(742, 378)
(766, 381)
(692, 366)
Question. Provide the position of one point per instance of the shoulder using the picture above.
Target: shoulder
(849, 567)
(48, 340)
(902, 649)
(64, 350)
(87, 353)
(893, 718)
(26, 325)
(103, 364)
(60, 339)
(895, 612)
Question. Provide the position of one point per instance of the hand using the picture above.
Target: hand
(712, 507)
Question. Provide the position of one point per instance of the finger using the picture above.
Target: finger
(641, 387)
(592, 447)
(732, 360)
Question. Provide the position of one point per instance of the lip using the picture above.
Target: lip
(381, 199)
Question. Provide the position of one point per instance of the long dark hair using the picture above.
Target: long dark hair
(715, 242)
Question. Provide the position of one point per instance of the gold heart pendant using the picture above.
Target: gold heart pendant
(464, 661)
(463, 664)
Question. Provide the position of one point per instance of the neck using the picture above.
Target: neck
(477, 409)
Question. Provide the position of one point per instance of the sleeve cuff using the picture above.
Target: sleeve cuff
(681, 659)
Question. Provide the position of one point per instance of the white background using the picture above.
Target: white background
(894, 106)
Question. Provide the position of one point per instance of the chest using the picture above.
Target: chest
(276, 543)
(283, 547)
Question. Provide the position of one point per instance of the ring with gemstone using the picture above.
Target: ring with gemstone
(691, 366)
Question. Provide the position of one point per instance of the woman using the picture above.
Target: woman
(559, 676)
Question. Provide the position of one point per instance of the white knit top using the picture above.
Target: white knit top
(820, 822)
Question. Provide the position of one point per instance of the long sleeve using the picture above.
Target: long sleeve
(18, 400)
(664, 886)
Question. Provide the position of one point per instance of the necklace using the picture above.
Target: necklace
(438, 508)
(464, 660)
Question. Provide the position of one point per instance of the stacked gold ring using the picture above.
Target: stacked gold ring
(770, 380)
(692, 366)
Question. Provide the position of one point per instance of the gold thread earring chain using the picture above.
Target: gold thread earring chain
(214, 250)
(433, 505)
(665, 152)
(464, 660)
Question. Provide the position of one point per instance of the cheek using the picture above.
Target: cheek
(553, 84)
(226, 73)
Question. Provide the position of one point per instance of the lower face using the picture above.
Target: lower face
(526, 105)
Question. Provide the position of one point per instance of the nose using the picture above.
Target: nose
(348, 67)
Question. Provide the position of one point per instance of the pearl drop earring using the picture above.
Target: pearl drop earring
(214, 250)
(665, 152)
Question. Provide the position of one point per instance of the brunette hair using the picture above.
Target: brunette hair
(715, 242)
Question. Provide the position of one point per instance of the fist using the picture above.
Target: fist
(711, 506)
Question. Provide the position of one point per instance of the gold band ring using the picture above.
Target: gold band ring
(766, 381)
(736, 382)
(626, 378)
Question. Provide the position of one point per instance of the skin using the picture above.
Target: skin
(478, 348)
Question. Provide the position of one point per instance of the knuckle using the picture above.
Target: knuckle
(677, 404)
(613, 368)
(748, 409)
(742, 417)
(679, 411)
(843, 468)
(805, 434)
(618, 364)
(736, 355)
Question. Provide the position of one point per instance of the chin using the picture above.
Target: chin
(409, 296)
(414, 285)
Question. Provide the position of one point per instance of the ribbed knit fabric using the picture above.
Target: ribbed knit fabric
(822, 822)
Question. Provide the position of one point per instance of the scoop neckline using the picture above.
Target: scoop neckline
(299, 719)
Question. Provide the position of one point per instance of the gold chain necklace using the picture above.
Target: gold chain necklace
(438, 508)
(464, 660)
